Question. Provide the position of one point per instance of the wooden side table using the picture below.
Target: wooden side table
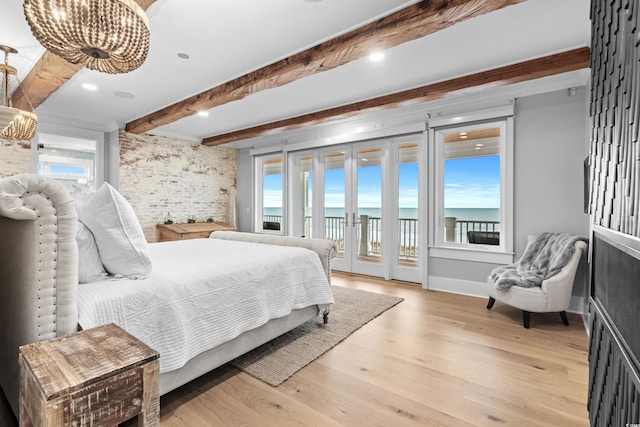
(193, 230)
(97, 377)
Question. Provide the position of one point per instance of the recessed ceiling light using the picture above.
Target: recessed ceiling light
(477, 148)
(463, 137)
(124, 95)
(376, 56)
(479, 145)
(203, 113)
(182, 55)
(462, 133)
(89, 86)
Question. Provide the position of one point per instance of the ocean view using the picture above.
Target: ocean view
(481, 219)
(469, 214)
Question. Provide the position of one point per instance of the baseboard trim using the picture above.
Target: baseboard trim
(457, 286)
(479, 289)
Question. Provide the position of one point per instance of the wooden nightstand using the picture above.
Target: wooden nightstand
(191, 231)
(98, 377)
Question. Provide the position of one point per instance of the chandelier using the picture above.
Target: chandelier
(16, 124)
(111, 36)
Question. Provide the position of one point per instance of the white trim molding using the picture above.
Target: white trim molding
(479, 290)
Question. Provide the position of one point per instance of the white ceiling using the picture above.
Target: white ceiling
(226, 39)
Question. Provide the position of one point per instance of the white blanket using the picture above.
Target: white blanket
(204, 292)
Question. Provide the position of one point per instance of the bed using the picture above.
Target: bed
(199, 302)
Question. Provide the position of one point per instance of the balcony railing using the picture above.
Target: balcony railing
(456, 230)
(371, 232)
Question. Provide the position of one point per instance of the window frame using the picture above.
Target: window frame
(46, 161)
(439, 247)
(258, 224)
(72, 139)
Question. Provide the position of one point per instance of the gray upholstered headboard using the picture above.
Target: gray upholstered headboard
(38, 268)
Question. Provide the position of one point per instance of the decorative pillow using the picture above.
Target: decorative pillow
(121, 243)
(90, 268)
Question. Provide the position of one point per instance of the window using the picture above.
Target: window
(300, 187)
(69, 160)
(270, 179)
(473, 203)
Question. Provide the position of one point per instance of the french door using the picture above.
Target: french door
(353, 180)
(364, 197)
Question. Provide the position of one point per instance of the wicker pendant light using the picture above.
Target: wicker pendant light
(19, 125)
(111, 36)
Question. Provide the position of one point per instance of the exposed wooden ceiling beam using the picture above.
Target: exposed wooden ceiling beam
(48, 74)
(536, 68)
(408, 24)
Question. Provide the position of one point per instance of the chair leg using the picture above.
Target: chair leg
(526, 319)
(563, 316)
(490, 303)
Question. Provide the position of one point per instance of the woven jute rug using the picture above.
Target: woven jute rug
(277, 360)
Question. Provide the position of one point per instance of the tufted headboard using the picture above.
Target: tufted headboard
(38, 268)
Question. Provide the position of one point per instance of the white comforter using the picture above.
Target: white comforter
(204, 292)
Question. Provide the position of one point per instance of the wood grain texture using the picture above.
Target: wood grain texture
(48, 75)
(435, 359)
(408, 24)
(196, 230)
(528, 70)
(101, 376)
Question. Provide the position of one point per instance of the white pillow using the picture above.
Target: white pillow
(121, 243)
(90, 268)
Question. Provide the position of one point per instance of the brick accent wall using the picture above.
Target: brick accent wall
(160, 175)
(15, 157)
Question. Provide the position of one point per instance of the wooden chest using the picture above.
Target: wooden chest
(98, 377)
(190, 231)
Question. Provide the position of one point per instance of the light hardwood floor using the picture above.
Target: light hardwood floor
(435, 359)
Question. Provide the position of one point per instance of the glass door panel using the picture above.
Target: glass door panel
(368, 219)
(408, 205)
(272, 194)
(335, 200)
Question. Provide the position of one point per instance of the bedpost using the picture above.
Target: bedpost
(38, 268)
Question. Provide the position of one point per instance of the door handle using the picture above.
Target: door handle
(346, 219)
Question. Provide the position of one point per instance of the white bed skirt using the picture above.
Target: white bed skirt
(211, 359)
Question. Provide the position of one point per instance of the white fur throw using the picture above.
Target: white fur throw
(544, 258)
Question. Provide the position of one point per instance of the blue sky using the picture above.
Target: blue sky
(472, 182)
(469, 183)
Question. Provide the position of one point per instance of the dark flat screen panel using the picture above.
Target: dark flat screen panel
(616, 286)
